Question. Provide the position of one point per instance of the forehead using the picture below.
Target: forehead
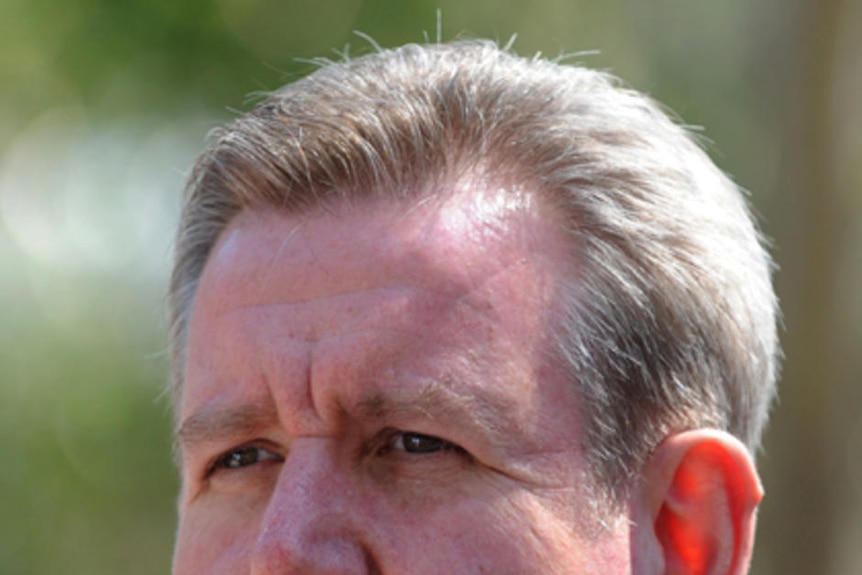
(380, 273)
(448, 243)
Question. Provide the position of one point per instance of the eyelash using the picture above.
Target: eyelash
(224, 461)
(389, 440)
(413, 440)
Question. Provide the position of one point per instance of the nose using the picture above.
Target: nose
(313, 524)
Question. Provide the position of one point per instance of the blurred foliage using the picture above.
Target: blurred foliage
(104, 104)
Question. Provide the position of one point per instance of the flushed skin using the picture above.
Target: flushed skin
(371, 389)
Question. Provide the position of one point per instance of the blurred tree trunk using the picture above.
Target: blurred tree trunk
(806, 458)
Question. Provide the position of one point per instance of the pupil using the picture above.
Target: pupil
(418, 443)
(242, 457)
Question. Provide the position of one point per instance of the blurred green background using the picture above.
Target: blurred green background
(105, 103)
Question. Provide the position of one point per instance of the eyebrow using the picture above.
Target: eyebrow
(434, 401)
(215, 424)
(437, 402)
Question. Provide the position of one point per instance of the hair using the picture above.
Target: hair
(669, 323)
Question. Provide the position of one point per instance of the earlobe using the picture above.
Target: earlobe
(699, 493)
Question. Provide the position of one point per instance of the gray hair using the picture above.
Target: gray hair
(671, 323)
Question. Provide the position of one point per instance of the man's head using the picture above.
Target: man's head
(467, 298)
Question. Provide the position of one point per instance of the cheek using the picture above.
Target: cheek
(215, 542)
(502, 534)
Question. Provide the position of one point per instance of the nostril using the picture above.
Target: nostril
(372, 565)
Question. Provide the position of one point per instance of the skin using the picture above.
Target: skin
(372, 391)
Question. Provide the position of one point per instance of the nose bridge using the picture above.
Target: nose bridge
(311, 525)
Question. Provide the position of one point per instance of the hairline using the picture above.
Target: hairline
(581, 295)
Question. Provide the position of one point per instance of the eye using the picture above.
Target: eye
(243, 456)
(411, 442)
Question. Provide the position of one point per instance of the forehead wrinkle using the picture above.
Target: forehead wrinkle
(282, 246)
(389, 314)
(486, 283)
(335, 295)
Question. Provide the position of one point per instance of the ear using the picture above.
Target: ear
(695, 507)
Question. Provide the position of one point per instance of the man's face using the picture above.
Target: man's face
(372, 390)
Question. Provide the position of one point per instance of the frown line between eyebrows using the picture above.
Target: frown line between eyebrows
(435, 402)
